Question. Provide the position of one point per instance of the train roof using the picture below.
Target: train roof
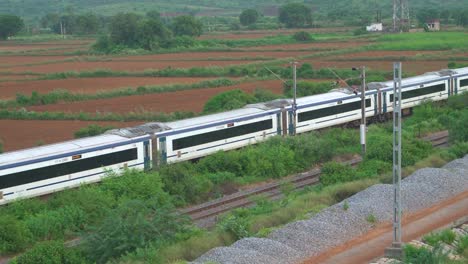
(321, 97)
(461, 71)
(426, 77)
(57, 149)
(213, 118)
(137, 131)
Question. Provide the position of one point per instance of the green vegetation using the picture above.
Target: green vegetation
(187, 26)
(9, 26)
(295, 15)
(422, 41)
(236, 99)
(65, 95)
(423, 255)
(248, 17)
(302, 36)
(51, 252)
(141, 115)
(446, 236)
(92, 130)
(84, 24)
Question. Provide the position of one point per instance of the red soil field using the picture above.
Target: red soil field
(416, 67)
(214, 55)
(120, 66)
(381, 54)
(20, 134)
(14, 77)
(9, 90)
(15, 60)
(264, 33)
(37, 47)
(190, 100)
(312, 45)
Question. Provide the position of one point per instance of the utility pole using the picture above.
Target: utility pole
(294, 106)
(362, 127)
(363, 110)
(395, 250)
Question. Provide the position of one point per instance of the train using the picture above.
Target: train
(51, 168)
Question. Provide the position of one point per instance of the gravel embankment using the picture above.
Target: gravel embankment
(334, 225)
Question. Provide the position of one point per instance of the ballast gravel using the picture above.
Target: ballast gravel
(339, 223)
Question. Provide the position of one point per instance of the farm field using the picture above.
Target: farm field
(20, 134)
(28, 66)
(190, 100)
(87, 85)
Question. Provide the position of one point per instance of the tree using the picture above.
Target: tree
(152, 34)
(123, 29)
(87, 24)
(295, 15)
(187, 26)
(10, 25)
(248, 17)
(153, 14)
(424, 15)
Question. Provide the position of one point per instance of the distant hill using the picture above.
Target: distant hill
(33, 10)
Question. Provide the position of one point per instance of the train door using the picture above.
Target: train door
(146, 154)
(163, 150)
(284, 121)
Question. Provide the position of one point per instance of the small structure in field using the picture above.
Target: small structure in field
(376, 27)
(433, 25)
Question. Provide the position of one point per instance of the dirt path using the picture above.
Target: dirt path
(371, 245)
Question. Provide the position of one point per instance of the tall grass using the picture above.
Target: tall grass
(422, 41)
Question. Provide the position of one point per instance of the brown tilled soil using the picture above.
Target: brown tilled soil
(19, 134)
(190, 100)
(215, 55)
(382, 54)
(9, 90)
(312, 45)
(265, 33)
(8, 61)
(13, 47)
(371, 245)
(120, 65)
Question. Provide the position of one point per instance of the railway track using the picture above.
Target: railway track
(272, 190)
(205, 215)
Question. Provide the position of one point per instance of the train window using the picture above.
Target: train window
(334, 110)
(53, 171)
(463, 83)
(204, 138)
(421, 92)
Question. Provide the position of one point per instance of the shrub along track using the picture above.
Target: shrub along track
(205, 214)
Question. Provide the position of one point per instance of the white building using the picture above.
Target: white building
(375, 27)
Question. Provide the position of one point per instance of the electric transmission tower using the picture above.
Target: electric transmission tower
(401, 18)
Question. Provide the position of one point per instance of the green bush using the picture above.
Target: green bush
(132, 225)
(462, 245)
(92, 130)
(92, 200)
(457, 128)
(446, 236)
(56, 224)
(51, 252)
(228, 101)
(414, 255)
(14, 235)
(334, 172)
(302, 36)
(236, 226)
(136, 185)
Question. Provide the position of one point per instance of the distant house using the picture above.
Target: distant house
(376, 27)
(433, 25)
